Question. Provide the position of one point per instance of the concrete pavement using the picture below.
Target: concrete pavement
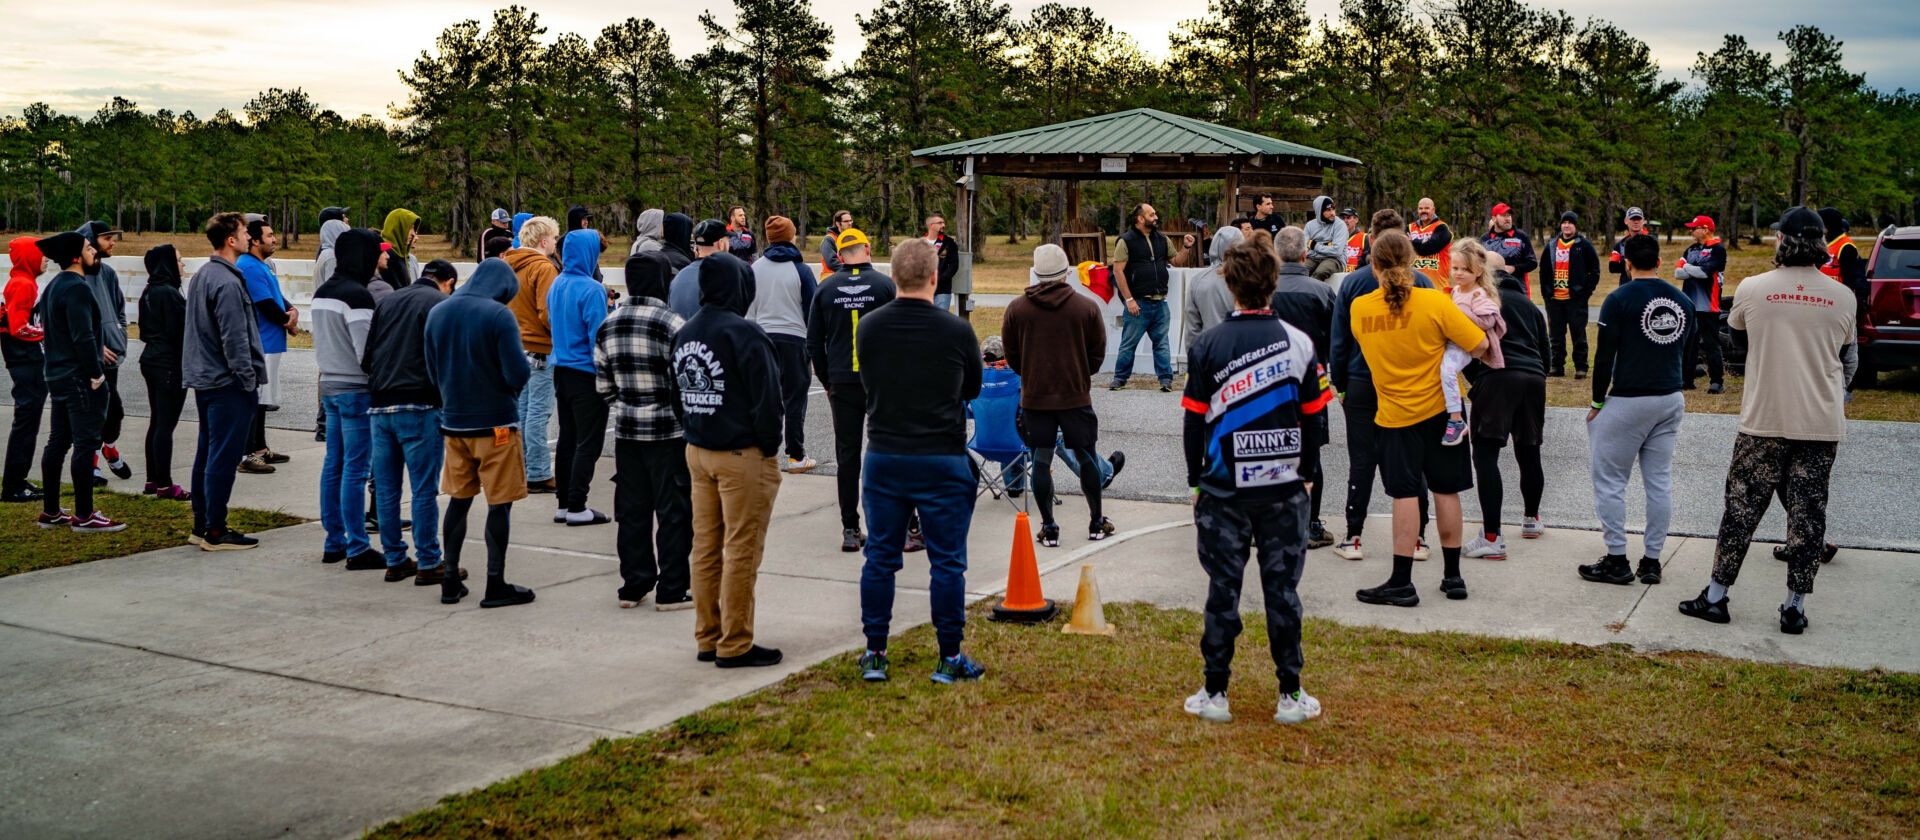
(181, 693)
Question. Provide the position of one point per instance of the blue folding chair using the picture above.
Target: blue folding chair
(996, 436)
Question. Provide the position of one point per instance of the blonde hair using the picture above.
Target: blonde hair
(1474, 255)
(914, 264)
(1392, 263)
(538, 228)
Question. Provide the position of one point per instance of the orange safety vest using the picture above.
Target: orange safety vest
(1437, 267)
(1832, 267)
(1356, 245)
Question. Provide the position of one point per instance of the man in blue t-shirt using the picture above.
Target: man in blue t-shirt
(276, 320)
(1251, 380)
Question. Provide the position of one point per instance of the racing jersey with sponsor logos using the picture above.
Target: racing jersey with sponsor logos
(1251, 379)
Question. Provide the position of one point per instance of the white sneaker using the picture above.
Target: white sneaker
(1485, 549)
(1530, 528)
(801, 465)
(1298, 707)
(1420, 550)
(1347, 549)
(1211, 707)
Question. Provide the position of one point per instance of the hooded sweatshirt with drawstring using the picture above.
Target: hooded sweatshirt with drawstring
(20, 343)
(395, 355)
(724, 368)
(1326, 240)
(784, 292)
(325, 262)
(518, 220)
(71, 315)
(577, 303)
(646, 231)
(403, 266)
(343, 313)
(105, 283)
(536, 273)
(473, 353)
(676, 240)
(163, 311)
(1208, 300)
(1055, 339)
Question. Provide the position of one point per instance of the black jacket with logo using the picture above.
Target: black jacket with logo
(835, 313)
(723, 365)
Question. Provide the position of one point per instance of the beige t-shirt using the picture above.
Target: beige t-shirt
(1797, 321)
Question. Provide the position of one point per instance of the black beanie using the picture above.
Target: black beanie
(63, 248)
(1570, 216)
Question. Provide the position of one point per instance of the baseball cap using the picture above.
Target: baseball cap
(851, 237)
(1700, 222)
(1348, 212)
(500, 214)
(709, 232)
(386, 246)
(1801, 221)
(1635, 213)
(95, 230)
(1499, 209)
(440, 270)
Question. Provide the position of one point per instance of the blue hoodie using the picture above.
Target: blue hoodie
(473, 353)
(518, 220)
(576, 303)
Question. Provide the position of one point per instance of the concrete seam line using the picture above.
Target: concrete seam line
(567, 552)
(312, 681)
(1088, 551)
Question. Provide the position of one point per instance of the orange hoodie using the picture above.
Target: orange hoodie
(22, 289)
(536, 272)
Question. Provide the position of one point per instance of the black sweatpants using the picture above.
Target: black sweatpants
(78, 413)
(29, 400)
(790, 353)
(167, 397)
(583, 432)
(651, 483)
(1564, 318)
(1276, 532)
(1363, 454)
(1707, 339)
(848, 403)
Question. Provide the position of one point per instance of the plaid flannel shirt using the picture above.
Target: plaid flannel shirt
(633, 368)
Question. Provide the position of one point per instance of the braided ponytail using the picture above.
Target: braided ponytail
(1393, 267)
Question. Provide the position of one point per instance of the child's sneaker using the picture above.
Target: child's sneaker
(873, 666)
(1211, 707)
(1298, 707)
(97, 523)
(1348, 549)
(1456, 432)
(957, 668)
(1485, 548)
(55, 520)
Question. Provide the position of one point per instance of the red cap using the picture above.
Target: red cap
(1700, 222)
(386, 246)
(1499, 209)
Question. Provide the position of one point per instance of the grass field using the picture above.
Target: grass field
(1429, 735)
(151, 524)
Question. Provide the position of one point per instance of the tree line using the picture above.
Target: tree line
(1467, 101)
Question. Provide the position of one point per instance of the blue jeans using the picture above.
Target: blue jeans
(536, 408)
(409, 439)
(226, 416)
(1152, 323)
(944, 302)
(941, 488)
(343, 475)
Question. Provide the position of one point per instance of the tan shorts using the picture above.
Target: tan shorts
(474, 464)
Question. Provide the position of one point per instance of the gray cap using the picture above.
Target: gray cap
(500, 214)
(1635, 213)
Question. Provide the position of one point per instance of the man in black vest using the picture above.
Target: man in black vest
(1140, 268)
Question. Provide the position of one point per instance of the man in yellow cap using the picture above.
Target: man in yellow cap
(842, 299)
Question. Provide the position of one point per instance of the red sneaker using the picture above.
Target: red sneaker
(98, 523)
(55, 520)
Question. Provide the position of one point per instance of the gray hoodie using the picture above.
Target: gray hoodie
(646, 231)
(324, 263)
(1324, 238)
(221, 346)
(1208, 300)
(105, 285)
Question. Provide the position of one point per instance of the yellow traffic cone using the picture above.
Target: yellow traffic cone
(1089, 618)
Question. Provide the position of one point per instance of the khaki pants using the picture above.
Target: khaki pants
(1322, 268)
(733, 493)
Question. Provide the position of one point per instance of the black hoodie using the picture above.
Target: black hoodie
(648, 274)
(163, 310)
(396, 354)
(71, 317)
(724, 370)
(676, 241)
(342, 311)
(1524, 346)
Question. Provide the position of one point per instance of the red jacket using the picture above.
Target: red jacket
(23, 289)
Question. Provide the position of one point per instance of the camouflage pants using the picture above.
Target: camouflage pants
(1276, 533)
(1798, 471)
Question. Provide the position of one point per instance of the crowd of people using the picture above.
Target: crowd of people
(430, 383)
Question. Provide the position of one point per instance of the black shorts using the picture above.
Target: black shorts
(1413, 461)
(1508, 403)
(1040, 428)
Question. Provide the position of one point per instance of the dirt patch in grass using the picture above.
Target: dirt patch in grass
(152, 524)
(1433, 734)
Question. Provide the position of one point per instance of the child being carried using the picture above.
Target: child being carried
(1477, 294)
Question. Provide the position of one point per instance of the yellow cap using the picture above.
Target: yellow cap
(849, 238)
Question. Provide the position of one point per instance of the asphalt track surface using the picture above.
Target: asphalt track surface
(1871, 505)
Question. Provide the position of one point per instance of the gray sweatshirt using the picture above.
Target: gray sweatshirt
(1208, 301)
(221, 345)
(1324, 238)
(105, 285)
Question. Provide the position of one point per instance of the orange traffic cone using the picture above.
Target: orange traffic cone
(1089, 618)
(1024, 603)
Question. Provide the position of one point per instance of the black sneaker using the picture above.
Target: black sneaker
(1166, 387)
(1100, 530)
(1119, 461)
(406, 569)
(1612, 568)
(23, 493)
(1793, 622)
(672, 603)
(1716, 387)
(332, 556)
(1455, 588)
(852, 540)
(1049, 536)
(1392, 596)
(756, 657)
(506, 595)
(1117, 385)
(1317, 536)
(227, 540)
(452, 591)
(1557, 372)
(1579, 374)
(367, 561)
(1706, 610)
(436, 576)
(1649, 572)
(707, 655)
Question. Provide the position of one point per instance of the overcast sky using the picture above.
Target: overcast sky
(207, 54)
